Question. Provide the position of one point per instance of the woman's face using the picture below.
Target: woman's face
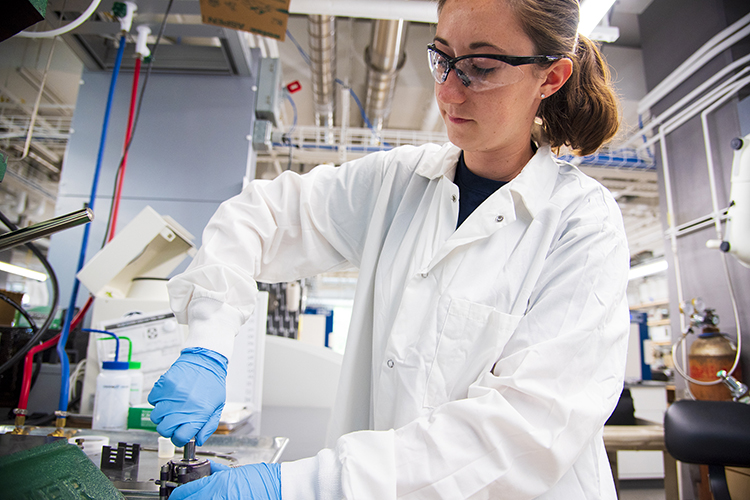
(498, 119)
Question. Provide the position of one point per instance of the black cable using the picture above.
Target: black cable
(135, 120)
(53, 306)
(76, 402)
(36, 371)
(20, 309)
(40, 419)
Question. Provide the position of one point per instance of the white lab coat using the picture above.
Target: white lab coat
(482, 362)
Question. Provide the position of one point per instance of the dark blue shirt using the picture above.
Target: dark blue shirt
(472, 189)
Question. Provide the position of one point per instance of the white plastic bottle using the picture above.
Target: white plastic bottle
(136, 383)
(112, 397)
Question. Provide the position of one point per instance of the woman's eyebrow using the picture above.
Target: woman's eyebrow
(440, 40)
(484, 45)
(472, 46)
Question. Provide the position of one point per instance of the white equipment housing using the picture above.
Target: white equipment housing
(737, 237)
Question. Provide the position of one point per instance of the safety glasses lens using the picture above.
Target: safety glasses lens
(487, 73)
(476, 73)
(439, 66)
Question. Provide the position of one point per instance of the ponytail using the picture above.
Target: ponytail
(583, 113)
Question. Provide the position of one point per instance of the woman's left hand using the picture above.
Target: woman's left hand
(253, 482)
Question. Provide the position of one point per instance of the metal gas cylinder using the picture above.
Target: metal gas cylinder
(711, 352)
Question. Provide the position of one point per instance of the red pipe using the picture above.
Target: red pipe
(128, 134)
(28, 363)
(28, 366)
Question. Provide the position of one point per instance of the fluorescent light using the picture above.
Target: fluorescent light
(22, 271)
(592, 12)
(644, 270)
(607, 34)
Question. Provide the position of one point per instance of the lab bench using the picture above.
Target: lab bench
(140, 482)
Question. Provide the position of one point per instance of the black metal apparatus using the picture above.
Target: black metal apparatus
(121, 463)
(175, 473)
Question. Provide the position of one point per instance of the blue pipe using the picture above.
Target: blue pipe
(65, 368)
(294, 108)
(331, 147)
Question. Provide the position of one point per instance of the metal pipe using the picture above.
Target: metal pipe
(38, 101)
(720, 42)
(652, 124)
(321, 30)
(423, 11)
(44, 228)
(188, 452)
(694, 108)
(384, 58)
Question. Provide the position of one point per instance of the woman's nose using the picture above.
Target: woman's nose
(452, 90)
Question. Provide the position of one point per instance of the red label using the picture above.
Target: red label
(294, 87)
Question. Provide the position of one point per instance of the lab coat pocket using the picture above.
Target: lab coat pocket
(470, 341)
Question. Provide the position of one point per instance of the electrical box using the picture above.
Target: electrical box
(262, 132)
(267, 104)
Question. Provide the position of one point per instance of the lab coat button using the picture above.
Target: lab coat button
(454, 198)
(499, 218)
(389, 363)
(424, 275)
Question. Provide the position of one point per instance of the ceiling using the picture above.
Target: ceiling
(188, 46)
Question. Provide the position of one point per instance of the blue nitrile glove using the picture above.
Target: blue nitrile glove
(189, 397)
(249, 482)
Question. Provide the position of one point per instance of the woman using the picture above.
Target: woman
(488, 338)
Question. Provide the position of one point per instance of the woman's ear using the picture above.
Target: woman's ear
(556, 76)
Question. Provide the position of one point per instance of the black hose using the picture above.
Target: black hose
(36, 371)
(20, 309)
(53, 307)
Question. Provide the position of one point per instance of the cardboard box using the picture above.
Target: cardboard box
(262, 17)
(7, 311)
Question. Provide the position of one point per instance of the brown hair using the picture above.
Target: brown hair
(583, 114)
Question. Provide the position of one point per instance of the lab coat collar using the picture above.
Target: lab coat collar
(536, 181)
(443, 162)
(534, 184)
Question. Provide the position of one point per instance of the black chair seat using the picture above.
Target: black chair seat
(712, 433)
(708, 432)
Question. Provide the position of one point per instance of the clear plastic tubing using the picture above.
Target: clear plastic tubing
(136, 383)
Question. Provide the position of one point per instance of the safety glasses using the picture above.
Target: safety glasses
(481, 71)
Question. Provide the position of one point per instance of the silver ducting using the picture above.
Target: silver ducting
(384, 57)
(321, 31)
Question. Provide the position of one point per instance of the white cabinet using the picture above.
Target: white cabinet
(650, 401)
